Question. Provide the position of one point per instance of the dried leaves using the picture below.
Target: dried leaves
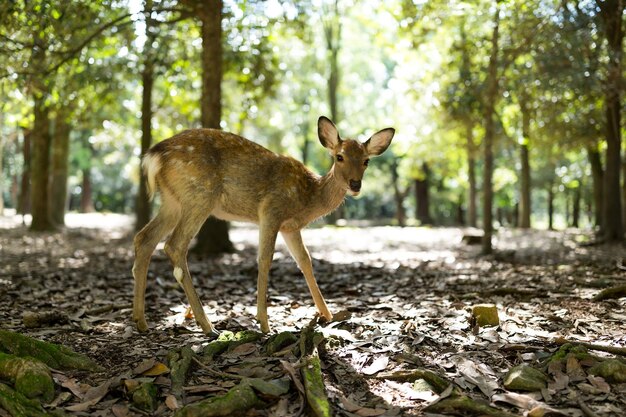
(403, 342)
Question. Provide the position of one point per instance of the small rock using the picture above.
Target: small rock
(485, 315)
(525, 378)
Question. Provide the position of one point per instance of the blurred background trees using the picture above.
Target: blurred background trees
(508, 113)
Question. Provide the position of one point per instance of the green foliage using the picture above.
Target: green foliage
(418, 66)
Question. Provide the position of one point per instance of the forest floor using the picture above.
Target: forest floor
(403, 297)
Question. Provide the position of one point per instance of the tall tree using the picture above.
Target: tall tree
(60, 154)
(42, 38)
(213, 236)
(489, 124)
(142, 208)
(612, 13)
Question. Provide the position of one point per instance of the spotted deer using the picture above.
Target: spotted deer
(202, 172)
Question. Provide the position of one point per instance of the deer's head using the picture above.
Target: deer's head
(351, 157)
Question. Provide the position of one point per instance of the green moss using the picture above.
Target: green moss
(227, 341)
(314, 387)
(18, 405)
(612, 370)
(145, 397)
(30, 377)
(53, 355)
(280, 341)
(235, 402)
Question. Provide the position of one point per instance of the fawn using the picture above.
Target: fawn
(202, 172)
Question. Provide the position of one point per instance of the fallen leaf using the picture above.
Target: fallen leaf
(119, 410)
(171, 402)
(159, 368)
(378, 365)
(92, 397)
(144, 366)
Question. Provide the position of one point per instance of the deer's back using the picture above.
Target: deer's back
(237, 173)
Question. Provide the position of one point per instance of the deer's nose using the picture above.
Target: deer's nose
(355, 185)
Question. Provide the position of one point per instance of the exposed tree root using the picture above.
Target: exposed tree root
(29, 376)
(53, 355)
(611, 293)
(465, 406)
(592, 346)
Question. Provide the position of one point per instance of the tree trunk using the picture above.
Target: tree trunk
(612, 17)
(422, 199)
(332, 35)
(86, 198)
(23, 204)
(472, 213)
(2, 180)
(525, 201)
(490, 102)
(60, 162)
(550, 208)
(143, 206)
(213, 237)
(40, 168)
(597, 175)
(398, 194)
(576, 197)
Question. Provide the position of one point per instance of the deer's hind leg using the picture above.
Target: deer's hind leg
(145, 242)
(176, 248)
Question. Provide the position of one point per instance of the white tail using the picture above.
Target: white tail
(206, 172)
(151, 164)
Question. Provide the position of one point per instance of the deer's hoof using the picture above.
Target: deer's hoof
(142, 325)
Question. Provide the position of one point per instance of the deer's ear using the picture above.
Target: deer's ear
(327, 133)
(379, 142)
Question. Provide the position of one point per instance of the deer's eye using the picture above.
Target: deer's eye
(339, 158)
(367, 162)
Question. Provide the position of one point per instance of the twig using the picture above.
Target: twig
(217, 373)
(586, 409)
(593, 346)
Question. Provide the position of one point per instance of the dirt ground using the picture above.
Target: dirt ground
(403, 297)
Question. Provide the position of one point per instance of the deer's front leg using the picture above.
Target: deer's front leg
(267, 242)
(303, 259)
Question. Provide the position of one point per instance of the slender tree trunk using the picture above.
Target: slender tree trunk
(40, 207)
(305, 129)
(490, 102)
(213, 237)
(525, 201)
(597, 175)
(550, 207)
(23, 204)
(422, 198)
(86, 197)
(398, 194)
(60, 162)
(143, 206)
(576, 197)
(472, 212)
(612, 12)
(332, 36)
(2, 179)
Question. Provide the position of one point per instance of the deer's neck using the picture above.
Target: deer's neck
(330, 193)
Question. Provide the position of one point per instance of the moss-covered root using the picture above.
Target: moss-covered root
(19, 405)
(179, 361)
(314, 386)
(465, 406)
(236, 401)
(53, 355)
(438, 383)
(228, 340)
(611, 293)
(29, 376)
